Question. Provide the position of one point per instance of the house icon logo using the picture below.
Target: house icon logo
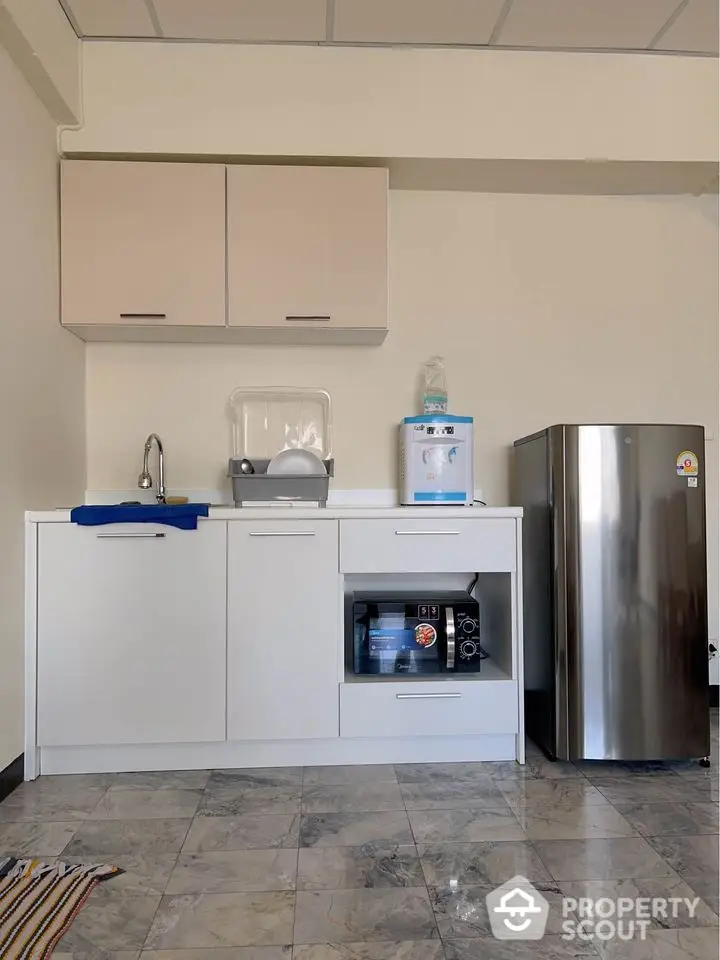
(517, 911)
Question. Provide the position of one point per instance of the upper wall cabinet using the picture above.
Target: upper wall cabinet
(204, 252)
(307, 253)
(143, 249)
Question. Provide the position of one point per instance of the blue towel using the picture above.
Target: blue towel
(183, 516)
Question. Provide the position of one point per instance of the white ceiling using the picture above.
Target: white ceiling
(683, 26)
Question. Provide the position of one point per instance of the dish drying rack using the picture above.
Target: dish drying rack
(267, 420)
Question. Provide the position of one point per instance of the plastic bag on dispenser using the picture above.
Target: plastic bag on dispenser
(435, 399)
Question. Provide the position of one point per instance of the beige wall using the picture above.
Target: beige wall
(42, 442)
(44, 46)
(547, 309)
(224, 99)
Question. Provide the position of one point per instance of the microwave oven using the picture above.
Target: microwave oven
(410, 633)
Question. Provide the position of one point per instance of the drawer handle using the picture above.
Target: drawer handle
(143, 316)
(130, 536)
(293, 318)
(428, 696)
(284, 533)
(427, 533)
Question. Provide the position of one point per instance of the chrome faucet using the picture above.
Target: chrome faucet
(145, 480)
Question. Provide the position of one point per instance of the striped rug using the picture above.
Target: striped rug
(39, 901)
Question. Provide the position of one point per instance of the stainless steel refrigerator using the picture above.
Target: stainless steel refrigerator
(615, 590)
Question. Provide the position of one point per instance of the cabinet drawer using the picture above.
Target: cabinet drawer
(427, 546)
(433, 708)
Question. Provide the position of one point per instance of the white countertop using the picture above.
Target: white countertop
(305, 512)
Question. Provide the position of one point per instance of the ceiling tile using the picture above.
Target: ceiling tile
(611, 24)
(415, 21)
(695, 30)
(242, 19)
(111, 18)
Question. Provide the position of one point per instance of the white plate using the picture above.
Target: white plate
(296, 462)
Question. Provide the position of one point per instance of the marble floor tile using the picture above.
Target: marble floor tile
(67, 804)
(362, 915)
(234, 871)
(70, 783)
(545, 820)
(534, 768)
(196, 921)
(461, 912)
(231, 800)
(126, 804)
(221, 953)
(121, 923)
(439, 772)
(96, 954)
(564, 792)
(250, 832)
(465, 826)
(692, 943)
(602, 859)
(469, 864)
(649, 789)
(162, 780)
(690, 856)
(144, 874)
(352, 868)
(452, 795)
(102, 838)
(691, 768)
(405, 950)
(283, 778)
(336, 798)
(708, 888)
(550, 948)
(697, 914)
(606, 769)
(354, 829)
(705, 785)
(667, 819)
(36, 839)
(360, 773)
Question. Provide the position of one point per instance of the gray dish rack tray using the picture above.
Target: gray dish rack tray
(258, 486)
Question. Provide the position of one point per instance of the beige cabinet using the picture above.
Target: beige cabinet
(307, 253)
(143, 248)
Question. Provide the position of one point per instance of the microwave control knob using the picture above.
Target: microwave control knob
(469, 625)
(468, 649)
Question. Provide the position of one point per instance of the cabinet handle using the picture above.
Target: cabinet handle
(427, 533)
(284, 533)
(130, 536)
(291, 318)
(143, 316)
(428, 696)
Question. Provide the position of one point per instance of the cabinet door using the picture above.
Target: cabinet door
(131, 634)
(307, 246)
(284, 620)
(143, 244)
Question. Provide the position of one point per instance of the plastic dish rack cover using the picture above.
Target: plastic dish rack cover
(266, 420)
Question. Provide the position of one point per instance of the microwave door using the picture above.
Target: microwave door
(450, 636)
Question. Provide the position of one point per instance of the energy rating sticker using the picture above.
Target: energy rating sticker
(686, 464)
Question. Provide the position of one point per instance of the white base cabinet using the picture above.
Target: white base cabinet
(130, 634)
(284, 615)
(428, 708)
(154, 648)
